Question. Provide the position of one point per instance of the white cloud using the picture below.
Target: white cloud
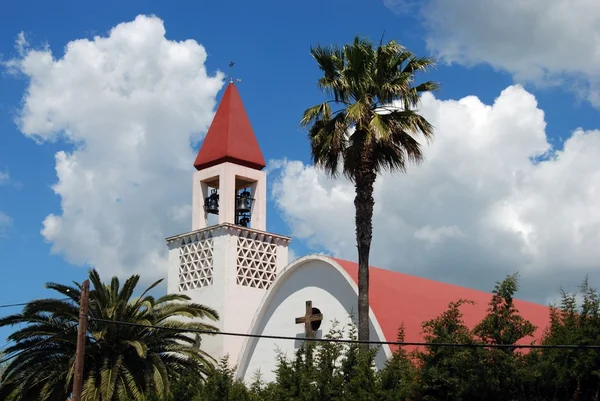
(5, 220)
(547, 42)
(479, 208)
(130, 103)
(437, 235)
(21, 43)
(292, 255)
(402, 6)
(5, 223)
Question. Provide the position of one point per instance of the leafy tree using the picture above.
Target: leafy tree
(185, 387)
(373, 130)
(337, 371)
(506, 373)
(571, 374)
(122, 362)
(360, 382)
(448, 372)
(503, 324)
(400, 378)
(325, 372)
(328, 364)
(476, 372)
(295, 378)
(221, 386)
(342, 372)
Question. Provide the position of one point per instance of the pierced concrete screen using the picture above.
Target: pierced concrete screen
(196, 261)
(256, 262)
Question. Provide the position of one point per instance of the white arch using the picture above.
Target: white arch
(324, 267)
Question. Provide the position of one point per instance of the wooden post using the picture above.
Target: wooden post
(81, 339)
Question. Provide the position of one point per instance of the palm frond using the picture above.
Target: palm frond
(329, 142)
(173, 298)
(411, 122)
(190, 310)
(122, 361)
(418, 64)
(55, 306)
(72, 292)
(368, 79)
(331, 61)
(317, 112)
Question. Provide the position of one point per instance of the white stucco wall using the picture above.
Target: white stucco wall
(236, 304)
(212, 295)
(315, 278)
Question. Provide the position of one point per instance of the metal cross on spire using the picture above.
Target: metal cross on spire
(231, 64)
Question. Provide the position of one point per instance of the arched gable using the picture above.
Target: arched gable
(319, 279)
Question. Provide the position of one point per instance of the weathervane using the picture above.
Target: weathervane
(231, 64)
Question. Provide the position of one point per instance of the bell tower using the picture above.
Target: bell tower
(229, 265)
(230, 182)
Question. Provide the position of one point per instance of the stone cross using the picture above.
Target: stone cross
(309, 317)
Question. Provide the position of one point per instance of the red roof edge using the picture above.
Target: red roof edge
(227, 159)
(397, 298)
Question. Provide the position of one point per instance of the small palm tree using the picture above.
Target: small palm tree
(372, 130)
(122, 362)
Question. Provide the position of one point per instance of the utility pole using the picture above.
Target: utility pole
(81, 337)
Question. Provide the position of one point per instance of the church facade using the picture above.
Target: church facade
(240, 269)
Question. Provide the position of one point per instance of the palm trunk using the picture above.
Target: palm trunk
(364, 203)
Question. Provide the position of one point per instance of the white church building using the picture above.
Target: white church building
(239, 268)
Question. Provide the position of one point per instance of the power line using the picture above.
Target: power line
(27, 303)
(45, 340)
(12, 305)
(348, 341)
(5, 345)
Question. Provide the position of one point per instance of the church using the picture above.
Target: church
(239, 268)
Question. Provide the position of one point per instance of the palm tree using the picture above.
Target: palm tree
(122, 361)
(373, 129)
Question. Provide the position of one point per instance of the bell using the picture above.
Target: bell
(211, 203)
(244, 202)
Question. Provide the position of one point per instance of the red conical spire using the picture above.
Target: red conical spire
(230, 137)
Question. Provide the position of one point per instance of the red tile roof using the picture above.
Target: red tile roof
(230, 137)
(397, 297)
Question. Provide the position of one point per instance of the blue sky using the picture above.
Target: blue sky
(269, 42)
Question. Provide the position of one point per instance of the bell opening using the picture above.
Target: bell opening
(211, 202)
(243, 207)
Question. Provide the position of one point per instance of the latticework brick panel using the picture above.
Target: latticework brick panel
(256, 262)
(196, 261)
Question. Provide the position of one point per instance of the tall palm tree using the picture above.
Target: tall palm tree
(372, 129)
(122, 362)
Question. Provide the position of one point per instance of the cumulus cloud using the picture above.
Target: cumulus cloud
(4, 177)
(5, 223)
(5, 220)
(492, 198)
(402, 6)
(546, 42)
(127, 105)
(292, 255)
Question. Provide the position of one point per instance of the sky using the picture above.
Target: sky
(103, 107)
